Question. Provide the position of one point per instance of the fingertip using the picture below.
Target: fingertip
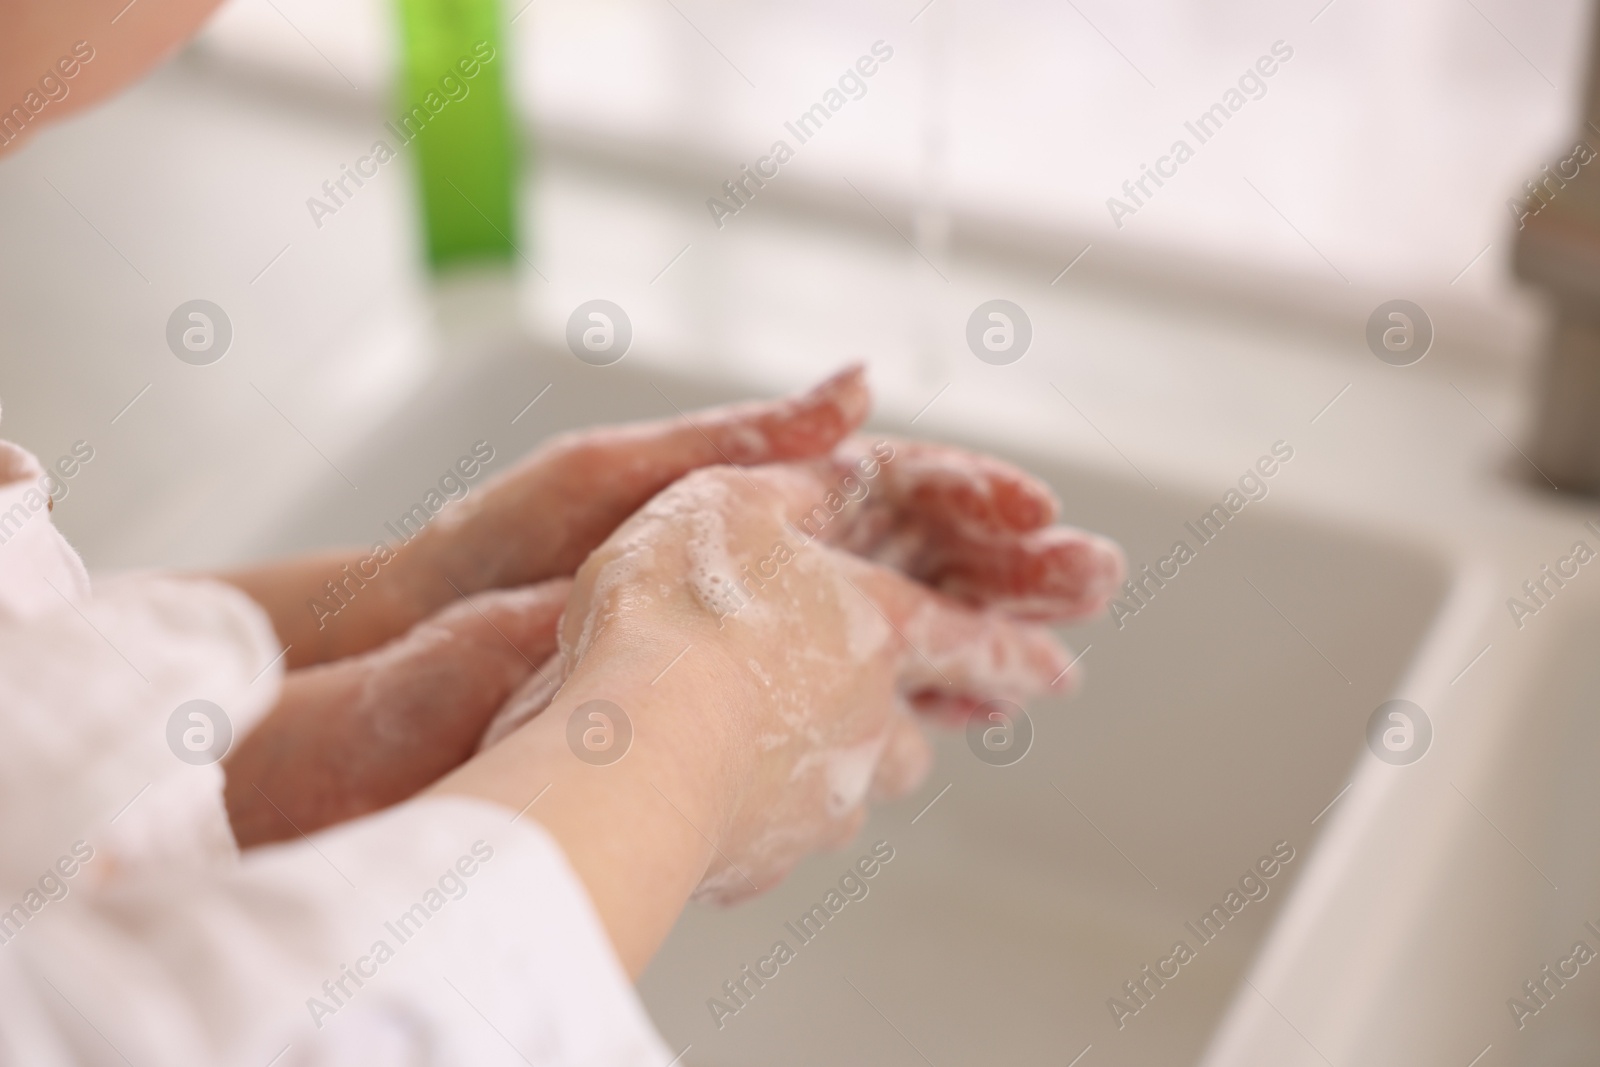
(846, 395)
(851, 379)
(1115, 564)
(1024, 502)
(812, 423)
(1094, 567)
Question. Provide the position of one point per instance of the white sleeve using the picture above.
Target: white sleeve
(88, 692)
(441, 931)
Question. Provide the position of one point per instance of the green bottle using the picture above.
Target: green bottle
(455, 113)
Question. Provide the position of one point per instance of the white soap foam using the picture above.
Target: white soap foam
(712, 576)
(847, 770)
(990, 662)
(865, 630)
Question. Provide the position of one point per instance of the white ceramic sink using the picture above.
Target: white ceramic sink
(1228, 715)
(1208, 731)
(1218, 722)
(1442, 889)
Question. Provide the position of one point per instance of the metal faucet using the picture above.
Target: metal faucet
(1558, 249)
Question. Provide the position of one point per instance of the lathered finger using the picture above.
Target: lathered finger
(951, 488)
(957, 647)
(1058, 574)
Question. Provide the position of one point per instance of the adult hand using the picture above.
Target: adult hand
(766, 674)
(972, 526)
(825, 651)
(965, 524)
(540, 518)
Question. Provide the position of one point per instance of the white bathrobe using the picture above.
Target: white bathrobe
(131, 930)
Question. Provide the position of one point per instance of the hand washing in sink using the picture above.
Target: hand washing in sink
(744, 648)
(671, 660)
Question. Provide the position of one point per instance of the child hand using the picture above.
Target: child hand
(368, 731)
(818, 653)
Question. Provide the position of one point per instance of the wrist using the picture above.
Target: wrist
(682, 699)
(642, 829)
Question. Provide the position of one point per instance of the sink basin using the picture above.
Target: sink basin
(1225, 717)
(1216, 724)
(1444, 891)
(1213, 727)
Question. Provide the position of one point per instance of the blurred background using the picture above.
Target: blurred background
(1170, 349)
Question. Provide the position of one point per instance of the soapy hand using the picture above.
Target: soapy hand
(968, 525)
(824, 653)
(770, 666)
(541, 517)
(974, 527)
(393, 720)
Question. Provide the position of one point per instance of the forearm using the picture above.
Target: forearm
(639, 832)
(537, 520)
(329, 605)
(353, 736)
